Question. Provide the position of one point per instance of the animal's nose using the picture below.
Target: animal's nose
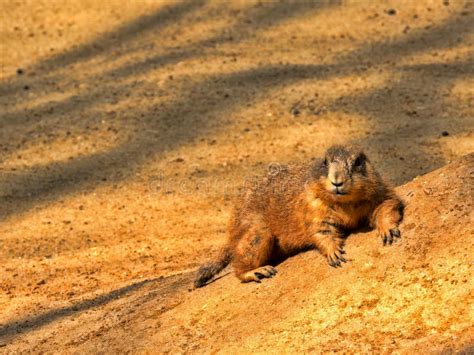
(337, 184)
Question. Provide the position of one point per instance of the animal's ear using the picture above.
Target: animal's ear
(363, 156)
(360, 159)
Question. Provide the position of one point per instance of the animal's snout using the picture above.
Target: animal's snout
(336, 177)
(336, 174)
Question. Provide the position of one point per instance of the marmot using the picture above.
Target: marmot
(305, 206)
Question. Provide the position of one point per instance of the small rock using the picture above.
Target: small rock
(20, 71)
(295, 111)
(26, 87)
(42, 282)
(391, 12)
(445, 133)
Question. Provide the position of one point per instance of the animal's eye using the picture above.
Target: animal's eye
(358, 162)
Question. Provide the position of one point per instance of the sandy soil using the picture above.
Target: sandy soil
(125, 130)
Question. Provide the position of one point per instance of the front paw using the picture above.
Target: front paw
(389, 235)
(335, 256)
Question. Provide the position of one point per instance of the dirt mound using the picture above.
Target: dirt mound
(415, 295)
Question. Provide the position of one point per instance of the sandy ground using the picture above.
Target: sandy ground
(126, 127)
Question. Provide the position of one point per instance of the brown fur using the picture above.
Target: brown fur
(305, 206)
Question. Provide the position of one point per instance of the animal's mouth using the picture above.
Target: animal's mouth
(337, 192)
(338, 189)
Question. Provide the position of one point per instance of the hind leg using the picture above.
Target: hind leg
(253, 253)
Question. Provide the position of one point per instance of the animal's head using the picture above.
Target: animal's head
(345, 174)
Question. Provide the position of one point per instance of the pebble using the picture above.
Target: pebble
(295, 112)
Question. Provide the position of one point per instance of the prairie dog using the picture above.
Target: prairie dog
(312, 205)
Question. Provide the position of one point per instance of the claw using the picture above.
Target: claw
(336, 260)
(272, 270)
(265, 271)
(389, 236)
(395, 232)
(255, 278)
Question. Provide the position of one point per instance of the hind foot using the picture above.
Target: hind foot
(258, 274)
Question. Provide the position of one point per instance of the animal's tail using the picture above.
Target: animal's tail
(207, 271)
